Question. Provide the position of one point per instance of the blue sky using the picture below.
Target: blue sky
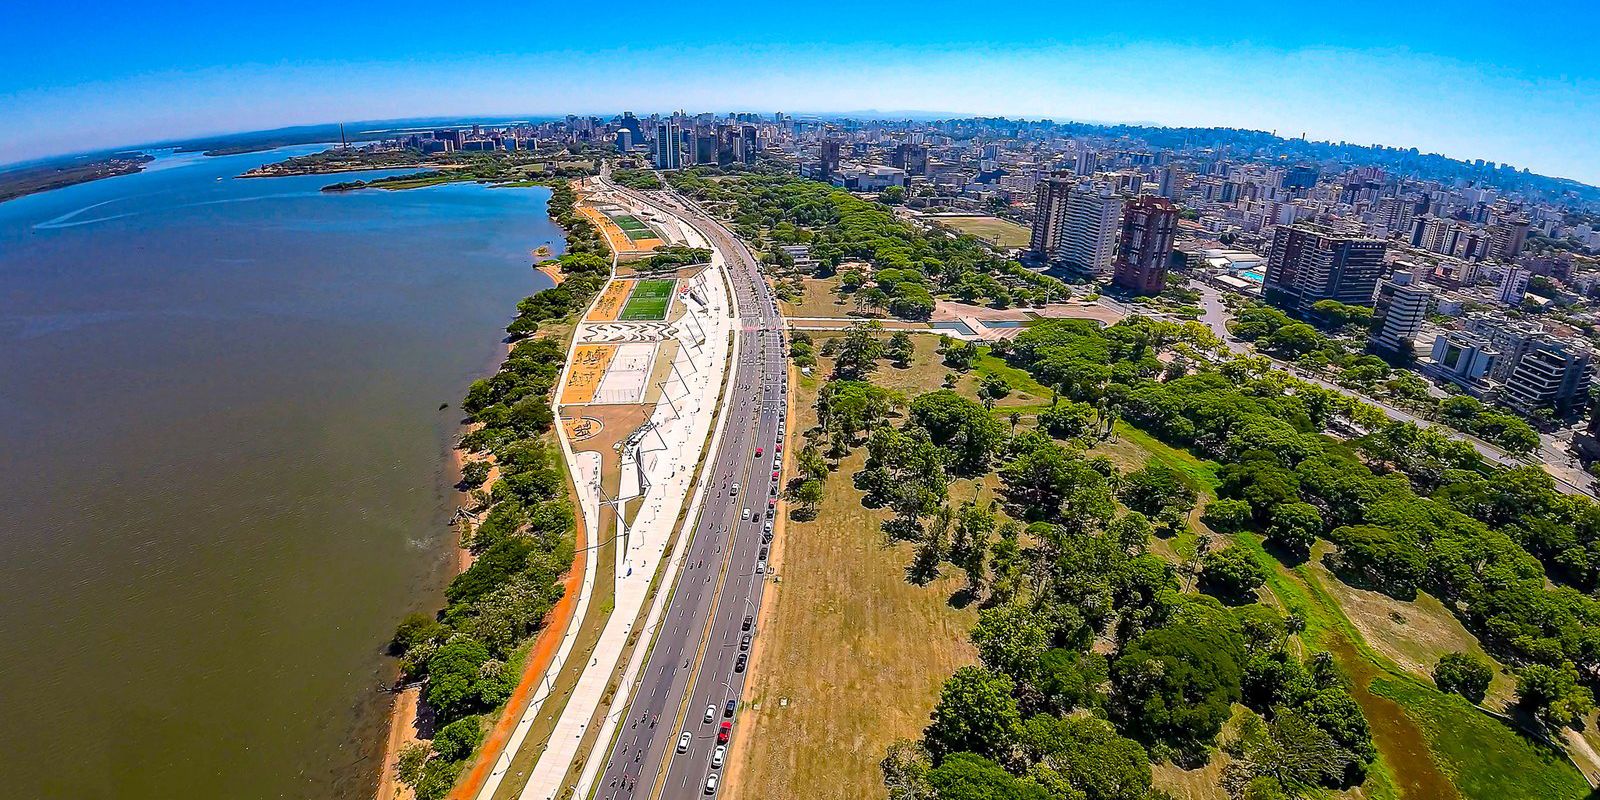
(1509, 83)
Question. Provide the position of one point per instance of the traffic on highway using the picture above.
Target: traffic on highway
(685, 708)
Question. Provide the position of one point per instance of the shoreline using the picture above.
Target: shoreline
(404, 710)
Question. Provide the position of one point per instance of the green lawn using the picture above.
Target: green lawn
(1487, 758)
(634, 229)
(649, 300)
(996, 231)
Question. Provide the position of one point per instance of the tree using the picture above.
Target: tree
(438, 776)
(858, 351)
(1010, 640)
(892, 195)
(1068, 420)
(967, 776)
(1465, 674)
(1088, 755)
(1176, 685)
(977, 713)
(1156, 489)
(1553, 694)
(1048, 483)
(458, 739)
(905, 771)
(409, 764)
(1294, 528)
(809, 496)
(1227, 516)
(1068, 680)
(900, 350)
(1232, 574)
(474, 474)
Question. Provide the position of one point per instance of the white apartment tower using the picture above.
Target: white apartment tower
(1089, 230)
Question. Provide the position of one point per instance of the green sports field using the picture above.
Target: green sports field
(634, 229)
(649, 300)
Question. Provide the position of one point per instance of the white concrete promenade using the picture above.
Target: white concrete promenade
(666, 457)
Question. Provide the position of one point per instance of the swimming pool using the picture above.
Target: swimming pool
(1252, 275)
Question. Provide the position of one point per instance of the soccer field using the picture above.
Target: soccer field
(649, 300)
(633, 228)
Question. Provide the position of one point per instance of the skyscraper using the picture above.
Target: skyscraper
(668, 145)
(1307, 264)
(1049, 212)
(830, 159)
(1089, 232)
(1144, 244)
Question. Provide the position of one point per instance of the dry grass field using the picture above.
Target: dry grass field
(851, 656)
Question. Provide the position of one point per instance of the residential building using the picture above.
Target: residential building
(1144, 244)
(1513, 286)
(1551, 373)
(1307, 265)
(1401, 307)
(1089, 232)
(1049, 214)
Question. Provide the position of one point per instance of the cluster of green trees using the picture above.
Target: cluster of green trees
(523, 544)
(675, 255)
(1044, 715)
(1410, 508)
(643, 179)
(910, 268)
(1277, 333)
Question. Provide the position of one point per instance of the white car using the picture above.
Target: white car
(717, 755)
(746, 514)
(683, 742)
(711, 713)
(711, 783)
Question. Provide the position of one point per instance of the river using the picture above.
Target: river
(223, 466)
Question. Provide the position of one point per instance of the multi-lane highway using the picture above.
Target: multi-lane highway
(698, 661)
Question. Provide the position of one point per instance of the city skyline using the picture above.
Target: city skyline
(1368, 74)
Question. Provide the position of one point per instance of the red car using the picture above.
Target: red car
(774, 474)
(723, 732)
(758, 452)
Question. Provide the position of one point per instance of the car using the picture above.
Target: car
(774, 474)
(763, 554)
(766, 536)
(683, 742)
(769, 527)
(729, 708)
(770, 511)
(779, 448)
(718, 755)
(744, 644)
(748, 621)
(738, 665)
(711, 783)
(758, 452)
(725, 730)
(772, 504)
(761, 567)
(774, 492)
(734, 492)
(711, 713)
(745, 515)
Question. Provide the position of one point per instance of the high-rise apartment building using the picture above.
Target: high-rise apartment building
(1144, 244)
(1049, 213)
(668, 145)
(1308, 264)
(1513, 286)
(1401, 307)
(1089, 231)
